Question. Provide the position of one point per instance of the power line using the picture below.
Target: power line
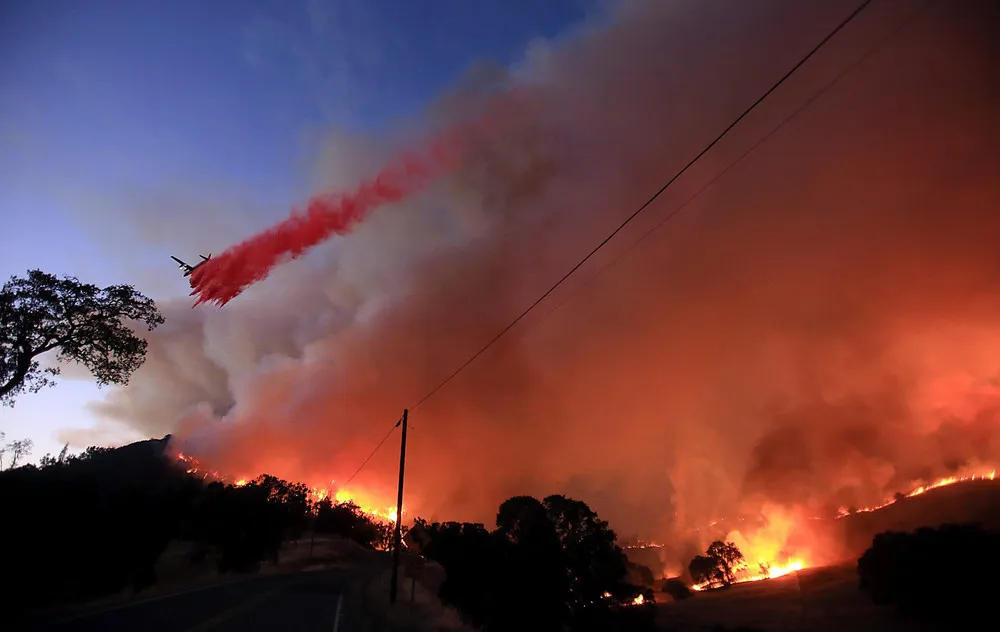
(763, 139)
(648, 202)
(812, 99)
(379, 446)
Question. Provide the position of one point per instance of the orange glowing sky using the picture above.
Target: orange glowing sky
(818, 329)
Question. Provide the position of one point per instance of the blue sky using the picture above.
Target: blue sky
(108, 104)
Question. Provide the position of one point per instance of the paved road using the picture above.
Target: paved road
(286, 603)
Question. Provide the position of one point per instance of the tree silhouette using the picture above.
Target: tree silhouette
(765, 569)
(596, 564)
(718, 566)
(640, 575)
(728, 557)
(348, 521)
(548, 565)
(947, 573)
(472, 558)
(240, 527)
(703, 569)
(49, 460)
(85, 526)
(292, 498)
(92, 524)
(17, 449)
(534, 573)
(85, 323)
(676, 589)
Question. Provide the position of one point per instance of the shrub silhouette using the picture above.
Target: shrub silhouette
(677, 589)
(947, 572)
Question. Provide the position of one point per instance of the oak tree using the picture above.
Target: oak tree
(84, 323)
(719, 565)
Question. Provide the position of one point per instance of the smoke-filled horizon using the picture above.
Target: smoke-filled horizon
(818, 328)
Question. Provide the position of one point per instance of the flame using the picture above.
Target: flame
(193, 467)
(638, 601)
(942, 482)
(766, 571)
(765, 549)
(370, 508)
(641, 544)
(793, 567)
(767, 545)
(316, 494)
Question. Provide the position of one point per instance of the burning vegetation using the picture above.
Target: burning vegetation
(315, 493)
(822, 332)
(756, 550)
(724, 564)
(943, 482)
(818, 335)
(781, 542)
(553, 558)
(815, 330)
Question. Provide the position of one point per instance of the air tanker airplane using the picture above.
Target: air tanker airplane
(188, 269)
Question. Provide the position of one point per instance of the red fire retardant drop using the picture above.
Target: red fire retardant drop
(221, 279)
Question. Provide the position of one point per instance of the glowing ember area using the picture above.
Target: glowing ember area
(767, 551)
(778, 571)
(194, 468)
(359, 499)
(364, 502)
(638, 601)
(642, 545)
(944, 482)
(761, 572)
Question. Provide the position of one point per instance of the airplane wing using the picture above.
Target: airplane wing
(181, 264)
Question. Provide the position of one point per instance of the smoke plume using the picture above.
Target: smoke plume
(222, 279)
(817, 328)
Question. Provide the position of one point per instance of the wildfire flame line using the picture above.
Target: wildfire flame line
(769, 570)
(316, 494)
(944, 482)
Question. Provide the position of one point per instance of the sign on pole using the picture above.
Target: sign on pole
(416, 539)
(414, 566)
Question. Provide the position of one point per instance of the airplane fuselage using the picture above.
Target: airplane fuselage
(188, 268)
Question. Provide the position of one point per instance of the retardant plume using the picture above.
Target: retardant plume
(819, 328)
(221, 279)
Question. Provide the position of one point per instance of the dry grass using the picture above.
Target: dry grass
(827, 599)
(814, 600)
(417, 608)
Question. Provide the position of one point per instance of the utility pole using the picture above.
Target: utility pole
(398, 535)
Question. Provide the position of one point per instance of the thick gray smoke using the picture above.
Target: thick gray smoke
(820, 327)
